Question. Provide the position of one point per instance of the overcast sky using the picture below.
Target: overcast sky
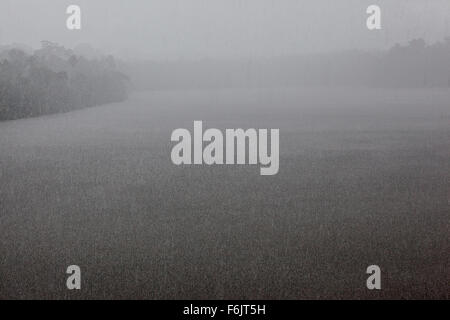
(195, 29)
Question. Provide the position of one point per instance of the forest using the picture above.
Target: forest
(415, 64)
(54, 79)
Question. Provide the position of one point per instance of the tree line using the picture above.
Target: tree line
(415, 64)
(54, 79)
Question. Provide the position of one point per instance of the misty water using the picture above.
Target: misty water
(364, 177)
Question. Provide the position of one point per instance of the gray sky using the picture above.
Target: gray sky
(193, 29)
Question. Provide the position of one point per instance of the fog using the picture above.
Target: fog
(196, 29)
(87, 176)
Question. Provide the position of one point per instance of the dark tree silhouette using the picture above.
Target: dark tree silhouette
(54, 79)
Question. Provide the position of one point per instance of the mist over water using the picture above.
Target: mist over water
(86, 175)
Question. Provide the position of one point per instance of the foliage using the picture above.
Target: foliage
(54, 79)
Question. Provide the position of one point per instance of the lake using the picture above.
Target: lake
(364, 179)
